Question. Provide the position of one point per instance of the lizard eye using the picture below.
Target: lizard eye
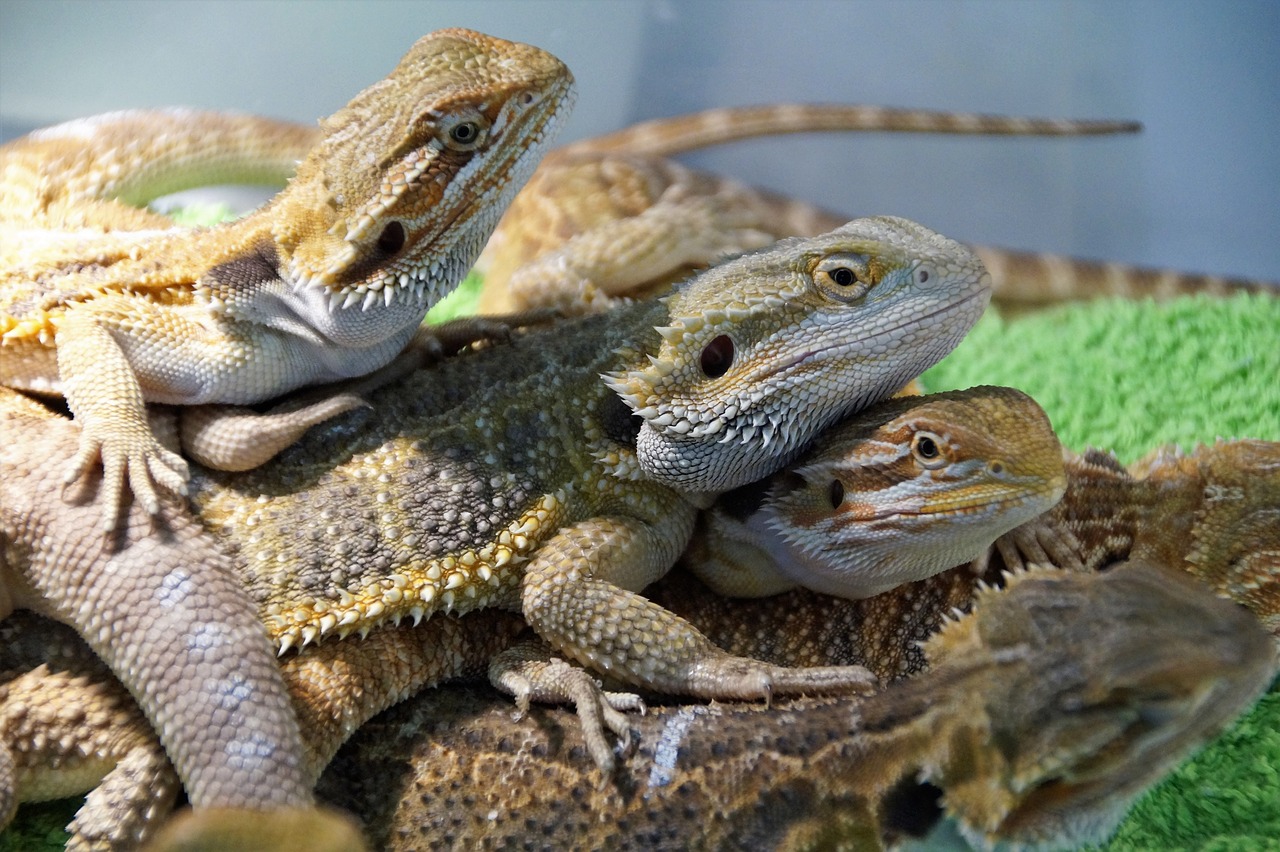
(844, 277)
(927, 449)
(392, 238)
(836, 493)
(464, 134)
(717, 357)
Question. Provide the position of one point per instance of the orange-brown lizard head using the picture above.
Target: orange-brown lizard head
(412, 175)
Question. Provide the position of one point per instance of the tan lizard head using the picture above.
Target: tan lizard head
(428, 157)
(1101, 684)
(910, 488)
(765, 351)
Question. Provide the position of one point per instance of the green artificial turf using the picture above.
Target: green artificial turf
(1127, 376)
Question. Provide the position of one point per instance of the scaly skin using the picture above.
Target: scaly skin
(1043, 714)
(95, 739)
(966, 499)
(612, 216)
(568, 508)
(1214, 512)
(1024, 729)
(560, 511)
(898, 493)
(329, 280)
(336, 686)
(169, 614)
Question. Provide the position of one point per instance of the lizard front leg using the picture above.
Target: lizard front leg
(104, 394)
(575, 596)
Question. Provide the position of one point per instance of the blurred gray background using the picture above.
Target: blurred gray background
(1196, 191)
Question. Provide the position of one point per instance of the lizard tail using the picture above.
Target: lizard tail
(1031, 278)
(667, 136)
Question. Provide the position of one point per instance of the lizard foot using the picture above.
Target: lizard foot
(138, 457)
(528, 672)
(1039, 542)
(227, 437)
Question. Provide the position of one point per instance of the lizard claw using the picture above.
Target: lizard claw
(142, 460)
(527, 672)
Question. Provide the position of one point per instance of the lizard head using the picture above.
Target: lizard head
(912, 487)
(766, 350)
(413, 174)
(1085, 690)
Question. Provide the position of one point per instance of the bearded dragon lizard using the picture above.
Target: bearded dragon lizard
(1209, 517)
(611, 216)
(1212, 514)
(563, 513)
(897, 493)
(329, 280)
(1044, 713)
(337, 686)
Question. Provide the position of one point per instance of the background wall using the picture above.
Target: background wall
(1197, 190)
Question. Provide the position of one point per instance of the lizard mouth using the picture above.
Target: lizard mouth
(845, 345)
(1017, 496)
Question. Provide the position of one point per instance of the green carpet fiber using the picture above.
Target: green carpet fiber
(1124, 376)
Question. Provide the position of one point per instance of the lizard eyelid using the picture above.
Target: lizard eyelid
(926, 447)
(844, 277)
(463, 132)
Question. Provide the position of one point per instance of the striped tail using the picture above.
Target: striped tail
(667, 136)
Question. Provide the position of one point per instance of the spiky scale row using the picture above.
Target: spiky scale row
(453, 584)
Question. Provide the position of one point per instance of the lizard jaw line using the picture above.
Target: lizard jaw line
(415, 287)
(845, 345)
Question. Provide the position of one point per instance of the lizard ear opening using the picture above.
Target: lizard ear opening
(392, 238)
(717, 357)
(912, 808)
(835, 493)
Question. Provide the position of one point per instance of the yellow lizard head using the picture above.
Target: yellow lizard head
(413, 174)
